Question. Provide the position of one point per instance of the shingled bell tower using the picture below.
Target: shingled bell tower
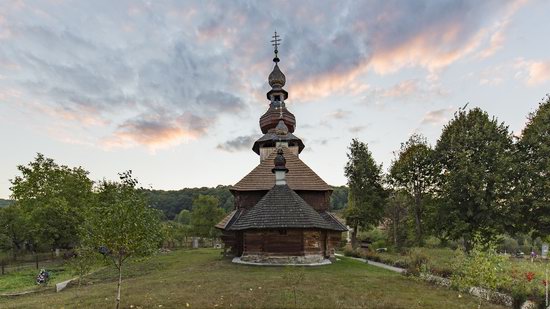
(282, 218)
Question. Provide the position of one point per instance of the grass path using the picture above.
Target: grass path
(202, 279)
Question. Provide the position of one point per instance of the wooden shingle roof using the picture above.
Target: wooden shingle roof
(299, 177)
(281, 207)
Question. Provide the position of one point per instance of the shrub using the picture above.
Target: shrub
(444, 272)
(401, 263)
(418, 262)
(373, 256)
(482, 267)
(432, 242)
(349, 251)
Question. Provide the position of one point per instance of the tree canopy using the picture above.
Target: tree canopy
(533, 190)
(474, 161)
(412, 171)
(53, 199)
(366, 196)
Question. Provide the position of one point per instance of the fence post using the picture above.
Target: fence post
(3, 264)
(36, 259)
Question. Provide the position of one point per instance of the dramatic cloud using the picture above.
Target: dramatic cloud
(239, 143)
(157, 131)
(116, 68)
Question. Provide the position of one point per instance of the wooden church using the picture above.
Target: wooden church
(281, 213)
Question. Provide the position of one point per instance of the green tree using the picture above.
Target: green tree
(396, 212)
(122, 224)
(53, 197)
(184, 217)
(412, 171)
(366, 196)
(533, 187)
(339, 197)
(474, 160)
(14, 227)
(206, 213)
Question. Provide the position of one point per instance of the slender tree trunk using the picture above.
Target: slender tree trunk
(354, 236)
(119, 284)
(418, 219)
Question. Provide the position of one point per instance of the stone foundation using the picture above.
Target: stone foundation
(282, 260)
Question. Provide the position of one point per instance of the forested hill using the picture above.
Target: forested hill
(172, 202)
(4, 203)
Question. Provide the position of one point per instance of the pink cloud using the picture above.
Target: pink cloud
(533, 72)
(157, 131)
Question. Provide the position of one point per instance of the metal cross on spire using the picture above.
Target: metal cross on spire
(276, 42)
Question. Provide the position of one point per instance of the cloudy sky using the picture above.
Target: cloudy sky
(174, 89)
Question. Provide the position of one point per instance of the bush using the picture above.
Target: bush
(373, 256)
(432, 242)
(349, 251)
(441, 271)
(418, 262)
(509, 245)
(401, 263)
(483, 267)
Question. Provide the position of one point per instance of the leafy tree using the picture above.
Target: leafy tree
(184, 217)
(14, 227)
(206, 213)
(366, 196)
(53, 197)
(474, 162)
(339, 197)
(122, 224)
(396, 211)
(533, 187)
(412, 171)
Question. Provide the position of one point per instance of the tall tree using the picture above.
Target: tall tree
(206, 213)
(366, 195)
(122, 224)
(412, 171)
(474, 159)
(533, 188)
(54, 198)
(396, 212)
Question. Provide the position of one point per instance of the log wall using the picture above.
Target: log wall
(319, 200)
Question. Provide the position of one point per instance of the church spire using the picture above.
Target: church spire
(276, 78)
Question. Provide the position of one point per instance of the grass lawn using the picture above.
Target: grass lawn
(202, 279)
(25, 279)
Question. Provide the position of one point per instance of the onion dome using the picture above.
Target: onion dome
(280, 162)
(276, 78)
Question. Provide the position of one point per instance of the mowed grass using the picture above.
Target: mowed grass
(26, 279)
(202, 279)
